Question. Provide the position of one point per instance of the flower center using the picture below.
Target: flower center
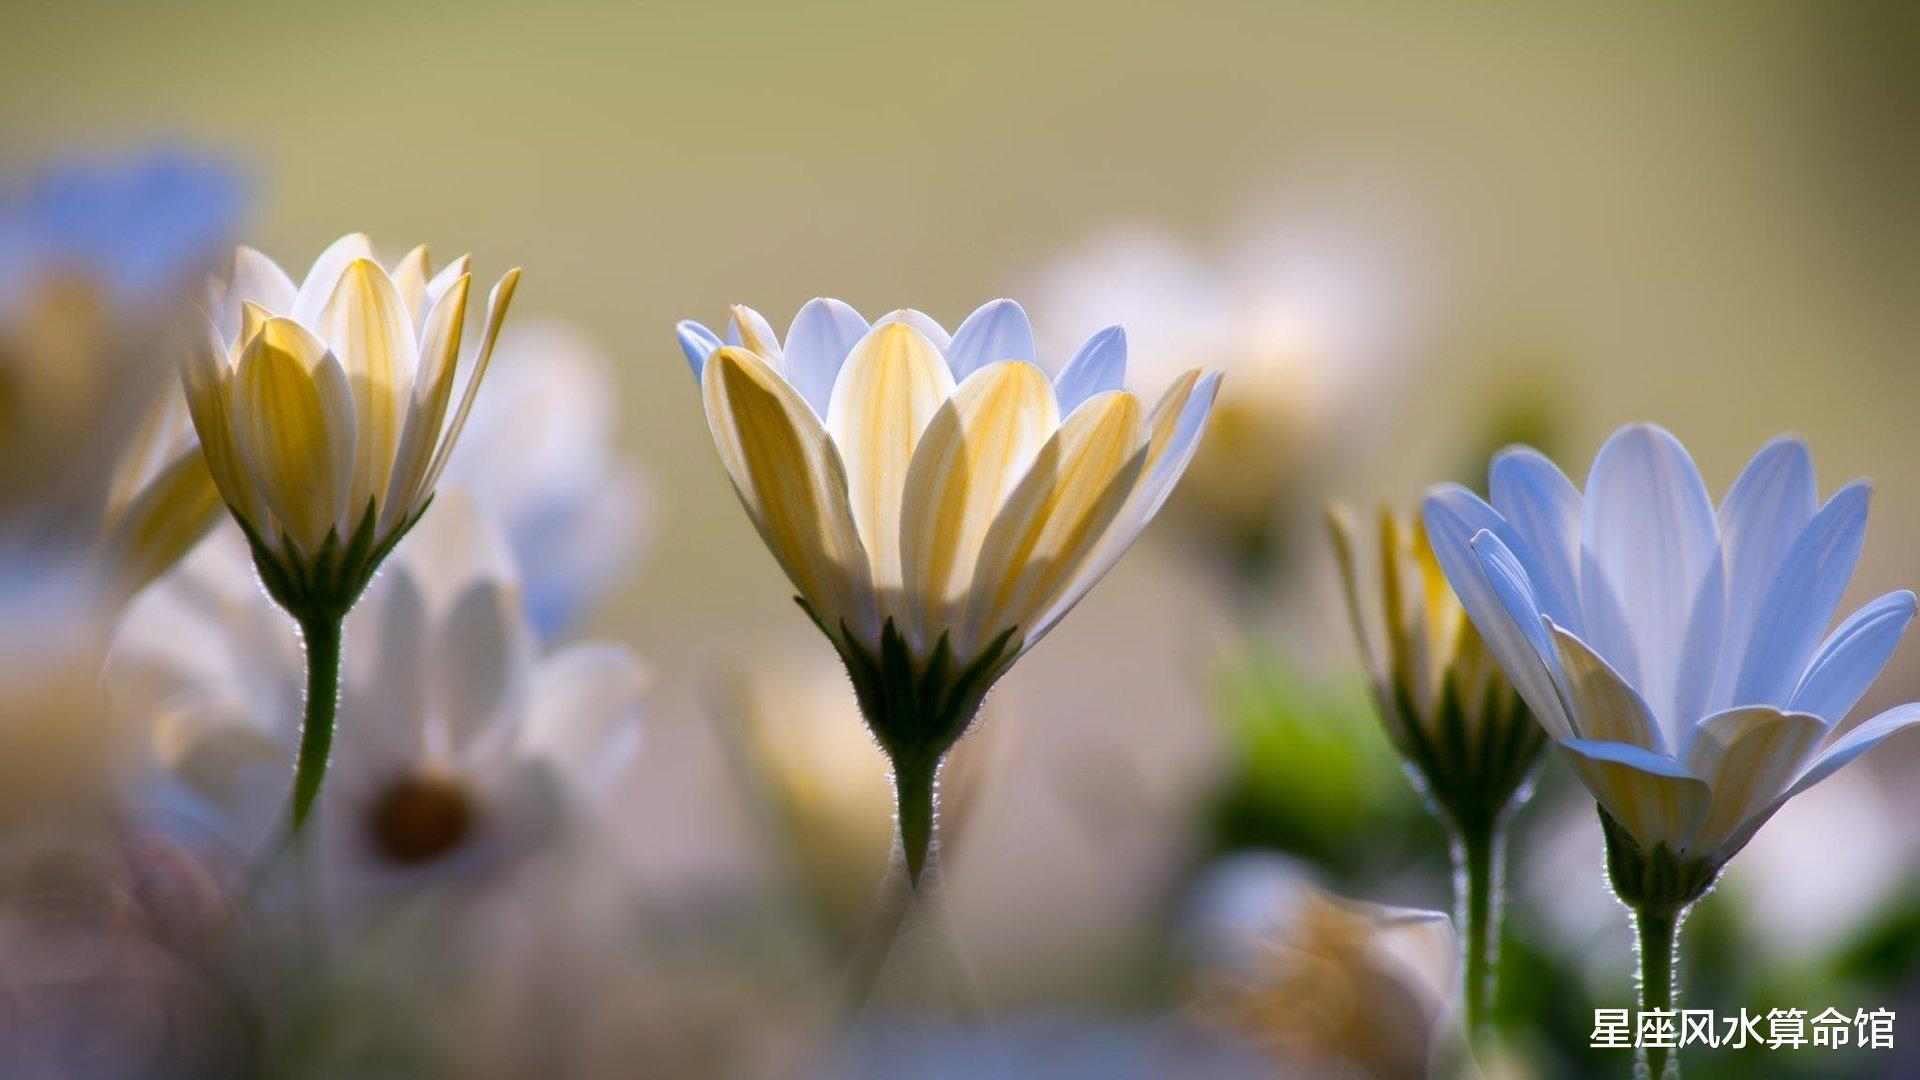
(419, 818)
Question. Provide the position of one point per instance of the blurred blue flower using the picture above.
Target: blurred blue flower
(137, 225)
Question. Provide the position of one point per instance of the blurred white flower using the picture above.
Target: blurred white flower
(458, 740)
(541, 462)
(1303, 322)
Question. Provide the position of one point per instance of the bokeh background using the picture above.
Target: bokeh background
(1547, 220)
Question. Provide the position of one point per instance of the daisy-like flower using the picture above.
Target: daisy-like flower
(323, 413)
(1675, 652)
(1449, 710)
(463, 740)
(939, 502)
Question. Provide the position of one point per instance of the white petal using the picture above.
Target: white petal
(1543, 508)
(317, 288)
(1853, 657)
(1099, 365)
(1763, 513)
(822, 335)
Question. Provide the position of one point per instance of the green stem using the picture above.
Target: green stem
(913, 784)
(1480, 857)
(1656, 928)
(322, 634)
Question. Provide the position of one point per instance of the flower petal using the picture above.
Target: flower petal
(1853, 657)
(319, 283)
(928, 326)
(368, 327)
(169, 514)
(997, 330)
(410, 281)
(1801, 599)
(976, 448)
(208, 381)
(1651, 796)
(427, 404)
(1747, 756)
(1497, 594)
(497, 301)
(255, 279)
(481, 666)
(1542, 507)
(293, 421)
(586, 708)
(697, 342)
(788, 474)
(1099, 365)
(891, 386)
(1173, 434)
(822, 336)
(1649, 536)
(1605, 708)
(1054, 517)
(1767, 508)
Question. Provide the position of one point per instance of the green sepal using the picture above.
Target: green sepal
(917, 708)
(1657, 880)
(327, 585)
(1473, 774)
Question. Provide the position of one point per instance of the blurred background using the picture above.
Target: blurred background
(1413, 235)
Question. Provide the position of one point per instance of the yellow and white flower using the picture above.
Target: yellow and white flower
(938, 501)
(323, 408)
(1445, 704)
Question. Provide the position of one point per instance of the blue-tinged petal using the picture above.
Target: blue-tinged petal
(749, 329)
(1649, 536)
(1700, 653)
(1605, 708)
(997, 330)
(697, 342)
(1650, 795)
(823, 333)
(1801, 600)
(1099, 365)
(1853, 657)
(1494, 590)
(1765, 510)
(1543, 507)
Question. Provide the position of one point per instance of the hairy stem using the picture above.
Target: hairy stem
(913, 785)
(322, 634)
(1478, 852)
(1656, 929)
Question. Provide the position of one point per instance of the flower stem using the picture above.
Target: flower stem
(1481, 862)
(322, 635)
(1657, 928)
(913, 785)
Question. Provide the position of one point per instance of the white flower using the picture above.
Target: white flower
(539, 460)
(1675, 652)
(456, 735)
(1301, 321)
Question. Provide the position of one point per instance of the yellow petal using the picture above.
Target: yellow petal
(293, 421)
(367, 326)
(1055, 516)
(497, 302)
(1655, 808)
(754, 332)
(885, 395)
(1748, 757)
(427, 408)
(208, 381)
(789, 476)
(324, 275)
(976, 448)
(162, 522)
(1362, 608)
(1604, 707)
(410, 281)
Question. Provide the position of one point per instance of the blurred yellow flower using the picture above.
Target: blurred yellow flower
(323, 409)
